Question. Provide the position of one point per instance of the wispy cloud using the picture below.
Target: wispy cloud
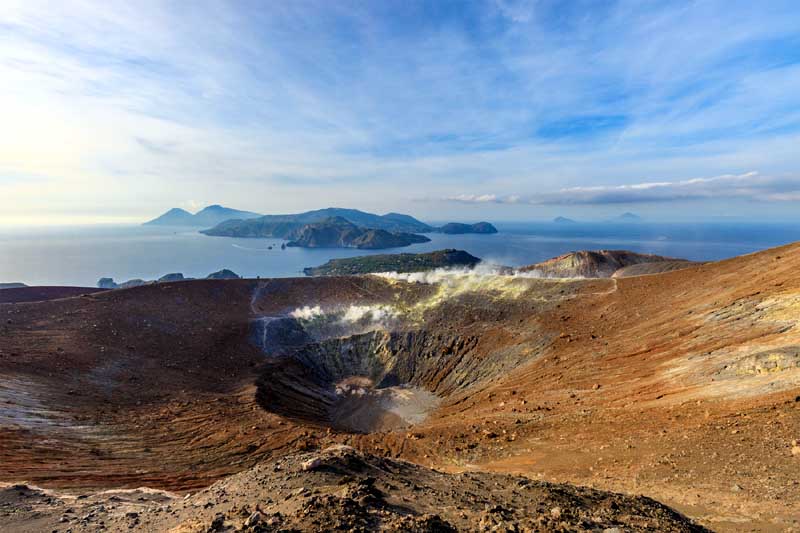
(748, 186)
(377, 103)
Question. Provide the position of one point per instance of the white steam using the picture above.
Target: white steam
(457, 276)
(489, 279)
(306, 312)
(345, 320)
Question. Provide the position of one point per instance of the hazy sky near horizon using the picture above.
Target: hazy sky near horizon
(497, 109)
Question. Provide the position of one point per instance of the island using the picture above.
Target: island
(628, 217)
(12, 285)
(370, 264)
(206, 217)
(456, 228)
(337, 232)
(290, 226)
(563, 220)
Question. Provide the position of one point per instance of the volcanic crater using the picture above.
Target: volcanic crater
(683, 386)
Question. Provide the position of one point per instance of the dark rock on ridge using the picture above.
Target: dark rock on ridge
(106, 283)
(177, 276)
(224, 274)
(109, 283)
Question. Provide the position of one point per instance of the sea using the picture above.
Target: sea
(80, 255)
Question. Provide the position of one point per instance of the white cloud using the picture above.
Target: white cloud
(747, 186)
(132, 108)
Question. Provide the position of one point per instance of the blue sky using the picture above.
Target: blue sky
(116, 111)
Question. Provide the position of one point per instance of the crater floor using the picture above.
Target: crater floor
(363, 408)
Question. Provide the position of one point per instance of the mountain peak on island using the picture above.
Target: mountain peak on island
(214, 208)
(206, 217)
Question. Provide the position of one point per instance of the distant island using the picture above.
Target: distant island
(286, 226)
(327, 228)
(563, 220)
(12, 285)
(370, 264)
(338, 232)
(206, 217)
(109, 283)
(455, 228)
(628, 217)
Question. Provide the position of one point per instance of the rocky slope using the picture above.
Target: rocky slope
(682, 386)
(656, 267)
(595, 264)
(337, 232)
(369, 264)
(342, 489)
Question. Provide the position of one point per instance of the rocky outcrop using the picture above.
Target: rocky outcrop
(592, 264)
(106, 283)
(133, 283)
(109, 283)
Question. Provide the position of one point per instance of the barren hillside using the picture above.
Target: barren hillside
(681, 386)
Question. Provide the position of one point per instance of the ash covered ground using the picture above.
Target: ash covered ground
(459, 401)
